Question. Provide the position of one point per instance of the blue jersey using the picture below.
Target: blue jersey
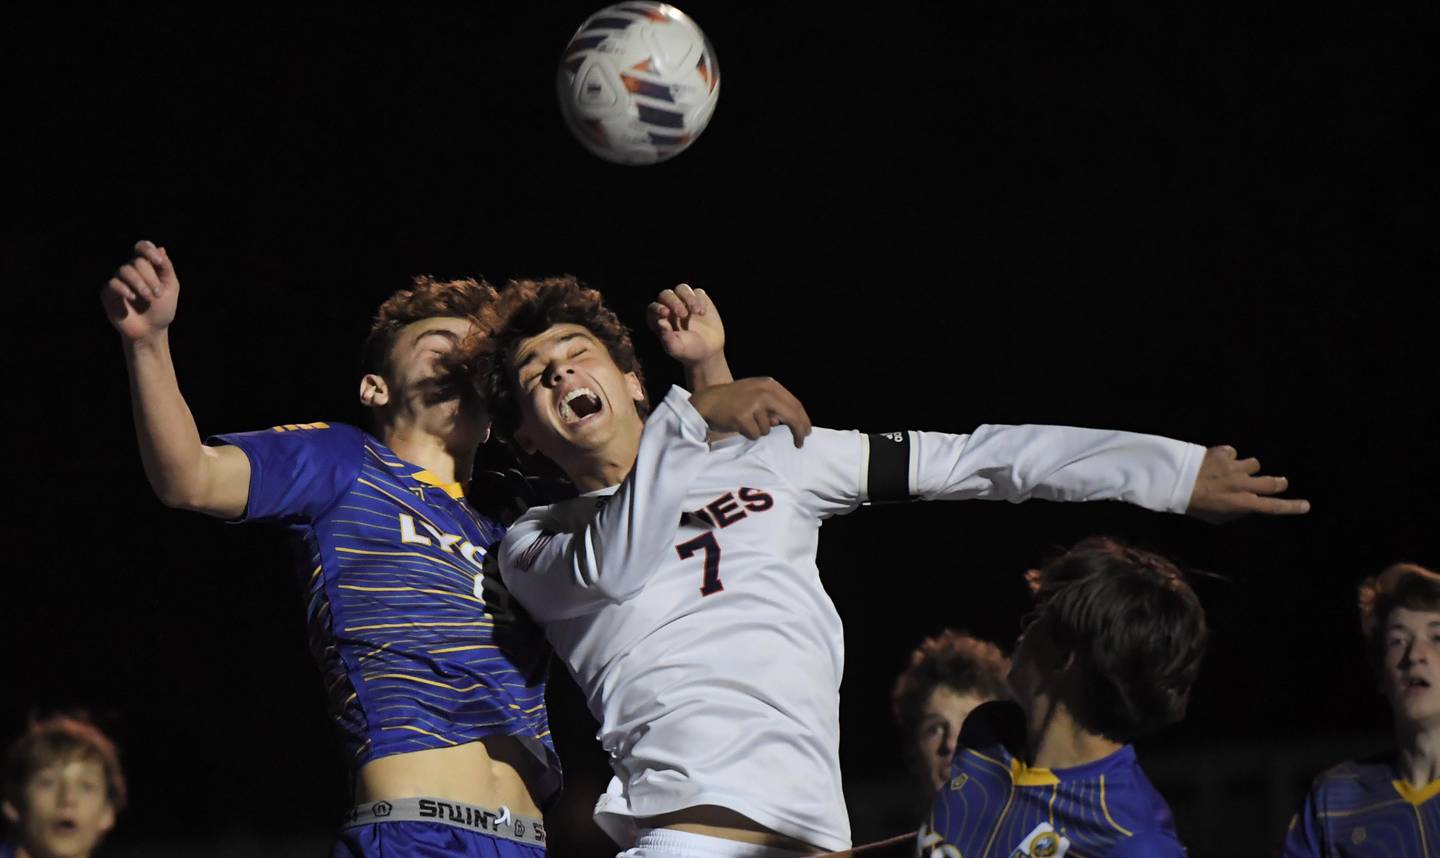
(1363, 808)
(995, 806)
(390, 560)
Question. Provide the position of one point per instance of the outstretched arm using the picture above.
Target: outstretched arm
(1069, 464)
(140, 301)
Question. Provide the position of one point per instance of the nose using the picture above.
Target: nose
(556, 372)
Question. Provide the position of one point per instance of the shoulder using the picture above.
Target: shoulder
(1352, 780)
(318, 435)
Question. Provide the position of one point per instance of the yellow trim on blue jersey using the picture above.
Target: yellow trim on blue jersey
(454, 490)
(467, 572)
(1339, 814)
(317, 571)
(1023, 775)
(410, 590)
(398, 500)
(1108, 818)
(410, 625)
(418, 730)
(1417, 795)
(406, 676)
(992, 760)
(1054, 792)
(462, 648)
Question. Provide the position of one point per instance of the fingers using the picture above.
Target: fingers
(1280, 506)
(116, 286)
(787, 409)
(132, 278)
(677, 310)
(1248, 467)
(694, 301)
(706, 306)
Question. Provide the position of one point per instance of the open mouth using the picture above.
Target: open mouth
(579, 404)
(1415, 684)
(65, 826)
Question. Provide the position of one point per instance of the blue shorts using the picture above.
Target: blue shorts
(426, 840)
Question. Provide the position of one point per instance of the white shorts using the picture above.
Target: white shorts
(668, 843)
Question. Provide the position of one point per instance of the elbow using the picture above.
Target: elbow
(184, 497)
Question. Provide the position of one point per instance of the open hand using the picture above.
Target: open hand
(1227, 488)
(141, 297)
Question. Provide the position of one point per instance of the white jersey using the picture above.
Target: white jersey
(687, 604)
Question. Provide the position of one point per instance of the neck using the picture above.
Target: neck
(592, 474)
(605, 464)
(449, 461)
(1418, 759)
(1055, 741)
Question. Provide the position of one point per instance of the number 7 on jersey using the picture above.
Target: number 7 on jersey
(704, 542)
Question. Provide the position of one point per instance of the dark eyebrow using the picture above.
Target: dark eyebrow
(453, 337)
(534, 355)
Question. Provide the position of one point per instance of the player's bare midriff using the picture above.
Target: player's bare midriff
(491, 772)
(714, 821)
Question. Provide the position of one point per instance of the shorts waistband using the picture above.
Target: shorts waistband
(495, 823)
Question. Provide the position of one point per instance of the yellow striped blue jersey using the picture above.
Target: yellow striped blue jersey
(1362, 808)
(391, 560)
(995, 806)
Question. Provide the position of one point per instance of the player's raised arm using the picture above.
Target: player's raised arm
(691, 332)
(140, 301)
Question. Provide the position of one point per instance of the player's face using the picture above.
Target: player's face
(573, 398)
(66, 810)
(417, 375)
(1410, 672)
(940, 721)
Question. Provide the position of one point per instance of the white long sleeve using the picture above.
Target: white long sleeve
(1058, 463)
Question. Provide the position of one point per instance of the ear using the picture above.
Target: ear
(632, 384)
(12, 813)
(107, 821)
(374, 392)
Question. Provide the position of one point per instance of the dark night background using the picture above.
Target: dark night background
(1193, 221)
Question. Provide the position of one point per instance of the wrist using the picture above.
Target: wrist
(708, 372)
(153, 343)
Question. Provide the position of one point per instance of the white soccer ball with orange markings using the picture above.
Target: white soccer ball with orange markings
(638, 82)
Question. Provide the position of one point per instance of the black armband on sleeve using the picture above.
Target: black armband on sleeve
(889, 470)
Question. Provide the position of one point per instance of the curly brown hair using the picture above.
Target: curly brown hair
(426, 298)
(955, 660)
(1401, 585)
(59, 739)
(1135, 627)
(527, 309)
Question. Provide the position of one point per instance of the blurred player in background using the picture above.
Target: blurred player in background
(1387, 805)
(63, 789)
(947, 677)
(1108, 655)
(445, 726)
(681, 590)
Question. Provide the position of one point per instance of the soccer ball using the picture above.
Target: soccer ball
(638, 82)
